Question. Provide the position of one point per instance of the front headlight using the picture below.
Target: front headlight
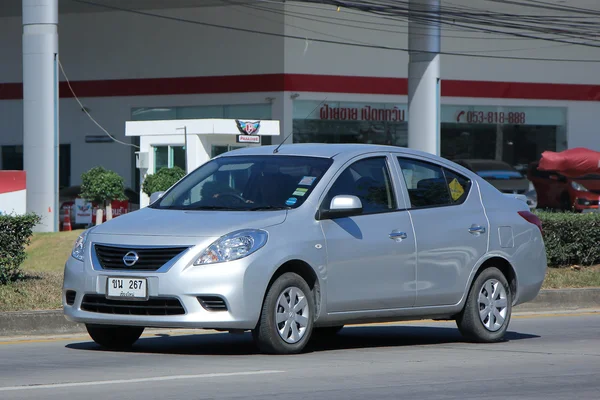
(578, 186)
(233, 246)
(79, 247)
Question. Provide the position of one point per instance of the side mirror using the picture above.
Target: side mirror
(342, 206)
(155, 196)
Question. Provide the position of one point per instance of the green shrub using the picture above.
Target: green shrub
(100, 186)
(162, 180)
(15, 234)
(571, 238)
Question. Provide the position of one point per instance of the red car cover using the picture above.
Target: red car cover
(572, 163)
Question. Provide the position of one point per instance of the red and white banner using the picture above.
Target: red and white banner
(13, 192)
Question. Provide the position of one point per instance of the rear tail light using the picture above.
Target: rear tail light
(532, 218)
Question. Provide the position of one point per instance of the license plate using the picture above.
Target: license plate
(126, 288)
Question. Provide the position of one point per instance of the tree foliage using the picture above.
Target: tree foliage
(100, 185)
(15, 234)
(162, 180)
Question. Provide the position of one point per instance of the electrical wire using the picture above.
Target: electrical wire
(468, 20)
(283, 13)
(84, 109)
(343, 43)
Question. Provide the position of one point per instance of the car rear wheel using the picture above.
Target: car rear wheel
(286, 320)
(488, 309)
(115, 337)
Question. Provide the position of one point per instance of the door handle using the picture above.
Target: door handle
(398, 236)
(476, 229)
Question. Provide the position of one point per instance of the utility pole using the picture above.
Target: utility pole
(424, 76)
(40, 110)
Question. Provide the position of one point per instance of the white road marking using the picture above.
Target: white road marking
(153, 379)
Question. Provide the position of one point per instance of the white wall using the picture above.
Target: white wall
(13, 202)
(116, 45)
(325, 22)
(119, 45)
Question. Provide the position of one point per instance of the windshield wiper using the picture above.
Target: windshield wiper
(257, 208)
(210, 208)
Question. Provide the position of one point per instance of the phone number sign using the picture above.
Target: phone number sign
(492, 117)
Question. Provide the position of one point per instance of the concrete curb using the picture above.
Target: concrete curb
(53, 322)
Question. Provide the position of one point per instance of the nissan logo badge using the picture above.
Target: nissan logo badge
(130, 258)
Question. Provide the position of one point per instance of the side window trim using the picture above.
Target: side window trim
(347, 164)
(409, 206)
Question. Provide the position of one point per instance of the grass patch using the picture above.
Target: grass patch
(572, 277)
(43, 268)
(41, 291)
(48, 252)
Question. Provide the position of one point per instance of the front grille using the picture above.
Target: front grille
(153, 306)
(70, 297)
(586, 202)
(212, 303)
(150, 258)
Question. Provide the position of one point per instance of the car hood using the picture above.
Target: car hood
(156, 222)
(589, 184)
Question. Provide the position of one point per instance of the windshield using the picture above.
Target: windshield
(247, 183)
(590, 177)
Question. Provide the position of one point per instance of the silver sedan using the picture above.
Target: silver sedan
(299, 241)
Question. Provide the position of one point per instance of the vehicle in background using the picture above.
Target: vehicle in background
(503, 177)
(556, 191)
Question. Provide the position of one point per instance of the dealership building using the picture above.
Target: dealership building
(325, 74)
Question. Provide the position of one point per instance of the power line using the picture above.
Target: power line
(375, 29)
(84, 109)
(336, 42)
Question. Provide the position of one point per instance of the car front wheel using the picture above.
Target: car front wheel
(115, 337)
(487, 312)
(286, 320)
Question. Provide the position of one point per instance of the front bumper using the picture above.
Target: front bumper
(180, 289)
(586, 202)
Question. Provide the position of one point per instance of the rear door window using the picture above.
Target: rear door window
(431, 185)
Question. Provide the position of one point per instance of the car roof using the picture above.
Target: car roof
(328, 150)
(483, 162)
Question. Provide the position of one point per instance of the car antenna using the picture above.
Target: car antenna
(290, 134)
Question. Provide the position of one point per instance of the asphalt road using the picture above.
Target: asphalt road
(545, 357)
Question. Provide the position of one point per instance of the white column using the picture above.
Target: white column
(283, 111)
(424, 76)
(40, 109)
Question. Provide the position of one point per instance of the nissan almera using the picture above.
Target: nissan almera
(305, 239)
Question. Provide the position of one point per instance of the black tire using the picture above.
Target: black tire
(469, 323)
(565, 202)
(266, 334)
(115, 337)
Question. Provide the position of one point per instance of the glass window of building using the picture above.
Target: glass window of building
(12, 159)
(341, 122)
(516, 135)
(169, 157)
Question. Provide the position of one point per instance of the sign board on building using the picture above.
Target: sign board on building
(248, 139)
(83, 212)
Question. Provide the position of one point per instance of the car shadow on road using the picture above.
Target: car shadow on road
(348, 338)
